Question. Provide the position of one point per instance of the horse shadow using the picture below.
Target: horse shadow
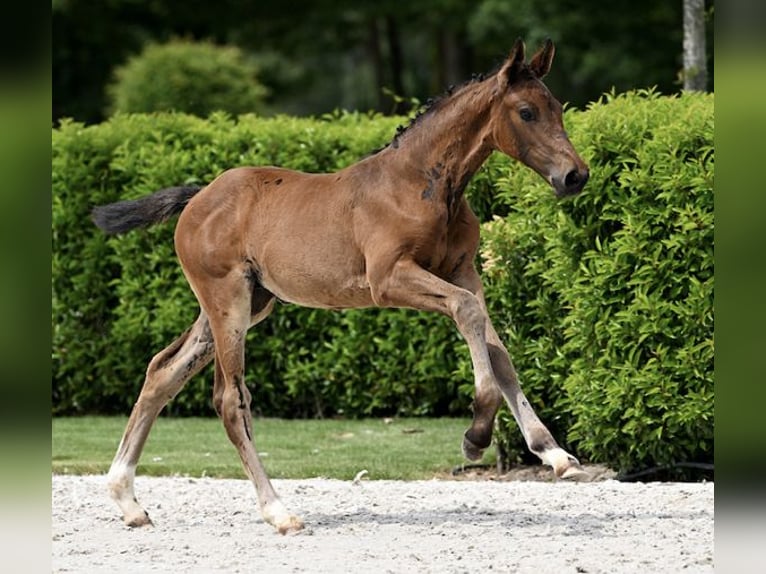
(565, 523)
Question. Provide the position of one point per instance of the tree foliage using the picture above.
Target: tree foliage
(193, 77)
(319, 55)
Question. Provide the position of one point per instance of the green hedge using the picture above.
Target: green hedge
(605, 300)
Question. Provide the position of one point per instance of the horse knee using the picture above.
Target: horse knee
(468, 313)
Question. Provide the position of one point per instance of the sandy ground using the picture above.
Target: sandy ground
(439, 526)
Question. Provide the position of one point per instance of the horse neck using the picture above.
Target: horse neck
(453, 136)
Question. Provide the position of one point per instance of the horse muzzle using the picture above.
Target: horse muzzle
(572, 183)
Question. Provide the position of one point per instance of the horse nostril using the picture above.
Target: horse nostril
(575, 179)
(572, 178)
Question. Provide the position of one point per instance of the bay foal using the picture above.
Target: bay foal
(392, 230)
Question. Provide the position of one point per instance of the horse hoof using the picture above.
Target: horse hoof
(138, 520)
(291, 525)
(575, 473)
(564, 465)
(471, 451)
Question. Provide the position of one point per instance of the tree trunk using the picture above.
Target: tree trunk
(451, 65)
(695, 66)
(397, 63)
(374, 51)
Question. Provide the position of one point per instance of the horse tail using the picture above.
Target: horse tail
(157, 207)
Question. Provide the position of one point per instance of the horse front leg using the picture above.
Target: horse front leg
(487, 400)
(408, 285)
(536, 435)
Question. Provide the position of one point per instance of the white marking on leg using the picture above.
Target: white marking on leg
(120, 480)
(564, 464)
(120, 484)
(275, 513)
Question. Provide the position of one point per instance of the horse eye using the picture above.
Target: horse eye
(526, 114)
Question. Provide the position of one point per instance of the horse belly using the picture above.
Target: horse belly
(312, 280)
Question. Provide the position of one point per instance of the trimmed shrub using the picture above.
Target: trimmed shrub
(183, 76)
(608, 298)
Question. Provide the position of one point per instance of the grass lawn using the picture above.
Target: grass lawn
(402, 448)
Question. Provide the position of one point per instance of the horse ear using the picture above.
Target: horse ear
(512, 65)
(541, 61)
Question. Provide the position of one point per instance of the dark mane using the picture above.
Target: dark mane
(433, 105)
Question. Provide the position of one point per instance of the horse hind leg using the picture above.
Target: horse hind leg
(167, 373)
(233, 307)
(261, 306)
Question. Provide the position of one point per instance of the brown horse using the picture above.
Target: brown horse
(393, 230)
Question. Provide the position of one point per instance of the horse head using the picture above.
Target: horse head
(528, 124)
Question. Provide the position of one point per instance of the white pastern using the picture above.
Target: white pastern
(564, 464)
(277, 515)
(120, 484)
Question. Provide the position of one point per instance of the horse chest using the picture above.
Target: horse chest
(445, 247)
